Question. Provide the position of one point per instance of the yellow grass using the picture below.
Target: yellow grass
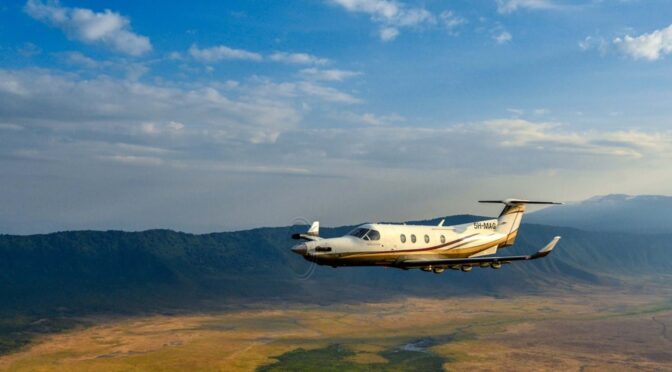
(604, 331)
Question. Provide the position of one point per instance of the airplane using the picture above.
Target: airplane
(429, 248)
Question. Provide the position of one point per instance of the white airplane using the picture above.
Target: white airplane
(429, 248)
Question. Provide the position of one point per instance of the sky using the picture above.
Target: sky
(224, 115)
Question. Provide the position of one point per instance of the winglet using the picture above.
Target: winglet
(547, 249)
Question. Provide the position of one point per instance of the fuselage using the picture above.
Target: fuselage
(385, 244)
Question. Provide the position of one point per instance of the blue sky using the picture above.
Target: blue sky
(224, 115)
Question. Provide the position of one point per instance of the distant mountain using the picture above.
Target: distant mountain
(648, 214)
(157, 270)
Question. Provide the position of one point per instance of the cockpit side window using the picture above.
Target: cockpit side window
(373, 235)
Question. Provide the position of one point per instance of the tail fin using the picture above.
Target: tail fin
(508, 221)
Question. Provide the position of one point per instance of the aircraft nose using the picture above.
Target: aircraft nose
(301, 249)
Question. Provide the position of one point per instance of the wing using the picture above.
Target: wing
(305, 237)
(478, 260)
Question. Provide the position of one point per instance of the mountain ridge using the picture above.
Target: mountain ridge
(645, 214)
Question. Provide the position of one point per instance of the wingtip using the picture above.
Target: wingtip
(549, 247)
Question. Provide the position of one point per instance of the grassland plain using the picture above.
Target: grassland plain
(589, 329)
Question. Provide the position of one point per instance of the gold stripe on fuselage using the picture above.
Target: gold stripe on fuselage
(389, 257)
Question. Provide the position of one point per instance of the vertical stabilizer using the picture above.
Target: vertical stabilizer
(509, 220)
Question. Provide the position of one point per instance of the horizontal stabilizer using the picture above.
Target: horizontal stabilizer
(519, 201)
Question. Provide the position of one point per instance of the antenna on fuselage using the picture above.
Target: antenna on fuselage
(441, 223)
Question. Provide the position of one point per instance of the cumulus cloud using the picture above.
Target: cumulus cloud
(106, 28)
(502, 37)
(221, 52)
(651, 46)
(298, 58)
(390, 15)
(510, 6)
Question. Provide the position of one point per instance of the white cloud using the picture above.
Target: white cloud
(171, 127)
(544, 136)
(649, 46)
(594, 42)
(298, 58)
(388, 33)
(52, 100)
(369, 118)
(510, 6)
(174, 56)
(390, 15)
(106, 28)
(502, 37)
(326, 93)
(305, 90)
(451, 21)
(313, 73)
(221, 52)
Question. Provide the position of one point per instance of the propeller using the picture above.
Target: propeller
(302, 270)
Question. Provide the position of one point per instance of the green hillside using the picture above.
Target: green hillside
(114, 271)
(47, 282)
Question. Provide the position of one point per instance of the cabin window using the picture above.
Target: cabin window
(412, 238)
(426, 238)
(373, 235)
(403, 238)
(443, 239)
(322, 249)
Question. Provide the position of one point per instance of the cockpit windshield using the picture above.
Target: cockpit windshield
(358, 232)
(366, 234)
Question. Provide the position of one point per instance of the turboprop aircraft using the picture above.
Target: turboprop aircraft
(429, 248)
